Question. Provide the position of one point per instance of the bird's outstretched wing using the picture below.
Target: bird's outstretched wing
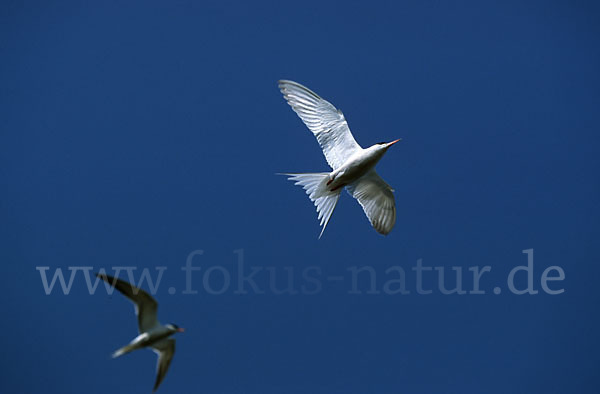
(165, 350)
(145, 305)
(377, 199)
(325, 121)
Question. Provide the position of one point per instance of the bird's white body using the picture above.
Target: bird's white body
(353, 167)
(149, 338)
(356, 166)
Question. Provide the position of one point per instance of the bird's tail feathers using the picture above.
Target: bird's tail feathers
(315, 185)
(124, 350)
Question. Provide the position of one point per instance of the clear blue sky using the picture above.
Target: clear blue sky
(133, 133)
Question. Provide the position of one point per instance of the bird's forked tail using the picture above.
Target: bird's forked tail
(315, 185)
(124, 350)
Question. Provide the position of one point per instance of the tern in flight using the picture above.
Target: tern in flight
(152, 333)
(353, 167)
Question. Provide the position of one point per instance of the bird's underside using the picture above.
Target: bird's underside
(353, 167)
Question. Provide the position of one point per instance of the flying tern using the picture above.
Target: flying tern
(152, 334)
(353, 167)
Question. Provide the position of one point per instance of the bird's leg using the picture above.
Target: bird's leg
(332, 177)
(338, 186)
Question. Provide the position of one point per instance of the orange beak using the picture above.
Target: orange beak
(393, 142)
(180, 329)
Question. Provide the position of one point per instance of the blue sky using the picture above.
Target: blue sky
(134, 133)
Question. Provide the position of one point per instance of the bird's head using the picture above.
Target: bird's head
(174, 327)
(381, 147)
(386, 145)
